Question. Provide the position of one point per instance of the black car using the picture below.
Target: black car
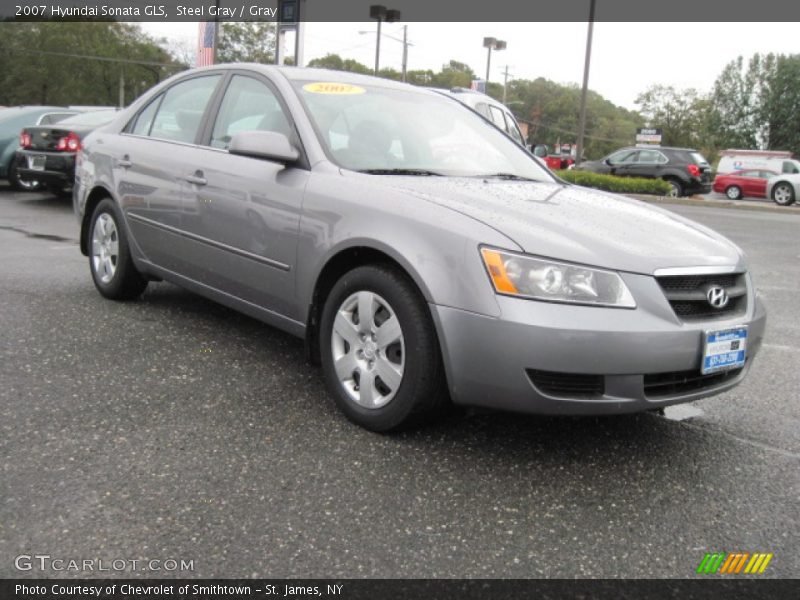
(47, 152)
(12, 120)
(685, 169)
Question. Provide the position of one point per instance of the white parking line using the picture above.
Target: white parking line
(780, 347)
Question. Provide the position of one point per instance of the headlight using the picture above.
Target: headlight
(541, 279)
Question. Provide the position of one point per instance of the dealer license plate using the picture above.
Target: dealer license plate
(724, 349)
(37, 162)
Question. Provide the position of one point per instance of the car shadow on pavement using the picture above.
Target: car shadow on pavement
(486, 433)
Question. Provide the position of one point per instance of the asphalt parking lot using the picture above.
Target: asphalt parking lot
(173, 428)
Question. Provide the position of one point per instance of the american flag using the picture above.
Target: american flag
(205, 43)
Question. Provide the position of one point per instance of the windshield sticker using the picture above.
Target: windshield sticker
(333, 88)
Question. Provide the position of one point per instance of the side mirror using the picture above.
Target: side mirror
(264, 144)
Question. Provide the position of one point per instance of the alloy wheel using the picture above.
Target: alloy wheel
(105, 247)
(368, 349)
(782, 194)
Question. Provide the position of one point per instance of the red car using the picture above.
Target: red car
(743, 184)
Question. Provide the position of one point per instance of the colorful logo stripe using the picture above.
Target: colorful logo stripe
(728, 563)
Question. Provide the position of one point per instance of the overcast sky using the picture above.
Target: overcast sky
(626, 57)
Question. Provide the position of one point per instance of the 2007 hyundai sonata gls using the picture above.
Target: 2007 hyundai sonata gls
(424, 255)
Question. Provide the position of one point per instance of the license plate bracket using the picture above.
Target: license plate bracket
(37, 162)
(724, 349)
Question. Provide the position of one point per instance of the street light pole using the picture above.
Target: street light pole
(490, 44)
(380, 13)
(582, 124)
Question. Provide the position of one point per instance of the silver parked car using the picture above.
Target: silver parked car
(784, 189)
(424, 256)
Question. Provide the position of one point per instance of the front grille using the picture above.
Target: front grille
(658, 385)
(567, 385)
(687, 295)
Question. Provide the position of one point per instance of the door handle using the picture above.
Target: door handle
(197, 179)
(124, 162)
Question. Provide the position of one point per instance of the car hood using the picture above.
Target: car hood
(576, 224)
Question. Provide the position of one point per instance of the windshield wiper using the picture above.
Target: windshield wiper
(421, 172)
(509, 176)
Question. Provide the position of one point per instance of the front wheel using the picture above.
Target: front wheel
(380, 353)
(113, 271)
(783, 194)
(733, 192)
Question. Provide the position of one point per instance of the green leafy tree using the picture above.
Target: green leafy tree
(78, 62)
(246, 41)
(337, 63)
(681, 114)
(780, 107)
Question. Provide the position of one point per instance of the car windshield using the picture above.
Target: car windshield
(396, 131)
(97, 117)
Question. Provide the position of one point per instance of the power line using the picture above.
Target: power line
(148, 63)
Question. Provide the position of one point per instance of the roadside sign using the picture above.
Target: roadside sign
(645, 135)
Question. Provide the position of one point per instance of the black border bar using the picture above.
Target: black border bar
(674, 12)
(733, 588)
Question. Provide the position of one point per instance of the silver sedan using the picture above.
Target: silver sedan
(425, 257)
(784, 189)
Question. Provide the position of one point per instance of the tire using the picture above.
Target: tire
(406, 377)
(18, 184)
(112, 268)
(783, 194)
(733, 192)
(676, 188)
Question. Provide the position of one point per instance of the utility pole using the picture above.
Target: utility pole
(582, 125)
(405, 51)
(505, 83)
(121, 90)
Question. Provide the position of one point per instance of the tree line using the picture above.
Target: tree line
(753, 103)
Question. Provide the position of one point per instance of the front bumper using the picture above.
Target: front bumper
(489, 361)
(59, 168)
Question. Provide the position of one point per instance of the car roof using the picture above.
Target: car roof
(658, 148)
(314, 73)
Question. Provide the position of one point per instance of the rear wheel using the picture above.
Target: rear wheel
(733, 192)
(783, 194)
(676, 189)
(380, 354)
(18, 183)
(113, 271)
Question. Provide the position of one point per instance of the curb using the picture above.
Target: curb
(697, 201)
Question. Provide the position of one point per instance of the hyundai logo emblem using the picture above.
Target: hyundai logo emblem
(717, 297)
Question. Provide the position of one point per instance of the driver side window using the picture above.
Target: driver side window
(248, 105)
(621, 157)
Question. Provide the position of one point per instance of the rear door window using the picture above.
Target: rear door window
(651, 157)
(51, 118)
(181, 111)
